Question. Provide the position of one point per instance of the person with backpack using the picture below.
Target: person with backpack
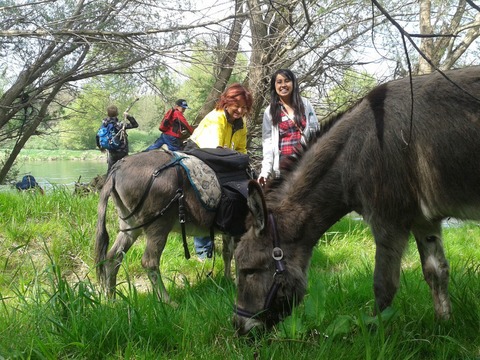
(112, 135)
(174, 127)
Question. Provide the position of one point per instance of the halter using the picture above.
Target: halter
(277, 255)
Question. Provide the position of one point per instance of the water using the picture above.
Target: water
(62, 172)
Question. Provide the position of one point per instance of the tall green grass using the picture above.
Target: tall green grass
(51, 307)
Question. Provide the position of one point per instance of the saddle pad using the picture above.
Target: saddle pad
(203, 180)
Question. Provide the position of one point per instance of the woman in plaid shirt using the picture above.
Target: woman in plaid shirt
(287, 119)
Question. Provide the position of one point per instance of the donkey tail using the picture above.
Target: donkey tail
(101, 238)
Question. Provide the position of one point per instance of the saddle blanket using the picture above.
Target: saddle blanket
(203, 179)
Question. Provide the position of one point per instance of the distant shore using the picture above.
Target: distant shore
(46, 155)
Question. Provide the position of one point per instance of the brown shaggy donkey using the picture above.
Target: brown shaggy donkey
(403, 168)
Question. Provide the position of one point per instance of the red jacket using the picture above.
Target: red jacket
(174, 122)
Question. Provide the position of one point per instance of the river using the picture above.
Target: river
(54, 173)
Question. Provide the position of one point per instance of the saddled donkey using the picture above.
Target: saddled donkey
(145, 190)
(403, 174)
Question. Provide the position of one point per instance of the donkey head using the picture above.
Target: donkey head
(270, 277)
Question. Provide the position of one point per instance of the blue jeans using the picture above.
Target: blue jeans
(173, 143)
(203, 246)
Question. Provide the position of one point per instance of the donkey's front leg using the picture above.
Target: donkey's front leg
(228, 247)
(390, 244)
(158, 285)
(434, 265)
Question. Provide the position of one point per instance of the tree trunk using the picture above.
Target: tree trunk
(426, 44)
(226, 65)
(29, 132)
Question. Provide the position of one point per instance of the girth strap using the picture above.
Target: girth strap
(179, 195)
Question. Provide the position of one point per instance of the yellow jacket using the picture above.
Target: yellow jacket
(214, 131)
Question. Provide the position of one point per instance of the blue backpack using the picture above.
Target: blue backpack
(109, 137)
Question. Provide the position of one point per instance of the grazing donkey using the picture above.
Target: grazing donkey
(144, 188)
(403, 168)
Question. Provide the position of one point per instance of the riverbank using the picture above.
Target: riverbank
(53, 168)
(51, 155)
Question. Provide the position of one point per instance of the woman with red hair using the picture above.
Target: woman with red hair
(223, 127)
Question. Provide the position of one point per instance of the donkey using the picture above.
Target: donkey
(144, 188)
(403, 166)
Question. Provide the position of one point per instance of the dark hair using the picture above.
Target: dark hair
(275, 103)
(232, 94)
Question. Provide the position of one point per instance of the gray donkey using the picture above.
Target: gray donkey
(403, 168)
(144, 188)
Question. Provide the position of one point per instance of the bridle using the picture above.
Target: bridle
(277, 255)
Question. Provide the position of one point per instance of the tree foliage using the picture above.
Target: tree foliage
(52, 49)
(428, 35)
(202, 77)
(343, 96)
(52, 46)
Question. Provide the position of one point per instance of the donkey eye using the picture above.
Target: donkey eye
(248, 272)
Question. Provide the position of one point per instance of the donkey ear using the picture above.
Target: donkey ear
(257, 206)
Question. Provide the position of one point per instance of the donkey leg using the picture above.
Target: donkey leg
(227, 254)
(434, 265)
(151, 261)
(114, 258)
(390, 245)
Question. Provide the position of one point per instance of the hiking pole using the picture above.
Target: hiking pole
(123, 132)
(133, 102)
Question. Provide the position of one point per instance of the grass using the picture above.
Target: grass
(50, 306)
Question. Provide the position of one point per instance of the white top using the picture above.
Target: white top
(271, 139)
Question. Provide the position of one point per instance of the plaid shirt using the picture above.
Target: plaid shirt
(290, 135)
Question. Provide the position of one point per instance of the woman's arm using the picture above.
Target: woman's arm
(267, 147)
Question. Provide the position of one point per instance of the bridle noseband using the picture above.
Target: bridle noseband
(277, 255)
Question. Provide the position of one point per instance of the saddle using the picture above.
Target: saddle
(229, 165)
(231, 169)
(229, 199)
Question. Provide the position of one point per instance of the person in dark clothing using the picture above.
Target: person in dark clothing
(174, 127)
(122, 151)
(29, 183)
